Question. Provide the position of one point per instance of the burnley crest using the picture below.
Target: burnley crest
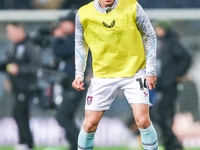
(89, 100)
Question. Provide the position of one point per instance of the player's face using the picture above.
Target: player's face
(106, 3)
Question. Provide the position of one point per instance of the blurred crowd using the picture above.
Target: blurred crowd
(63, 4)
(23, 64)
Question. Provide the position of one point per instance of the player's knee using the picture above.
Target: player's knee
(143, 122)
(90, 127)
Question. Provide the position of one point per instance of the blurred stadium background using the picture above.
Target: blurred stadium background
(38, 17)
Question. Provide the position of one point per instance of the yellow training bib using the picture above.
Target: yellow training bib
(114, 40)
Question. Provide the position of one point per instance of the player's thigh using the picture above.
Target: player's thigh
(92, 119)
(141, 114)
(136, 89)
(101, 93)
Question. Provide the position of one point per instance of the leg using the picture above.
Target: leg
(137, 94)
(21, 116)
(147, 131)
(65, 115)
(100, 95)
(164, 117)
(90, 124)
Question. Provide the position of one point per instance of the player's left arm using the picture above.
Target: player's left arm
(146, 29)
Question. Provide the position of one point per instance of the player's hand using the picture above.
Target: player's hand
(151, 81)
(78, 84)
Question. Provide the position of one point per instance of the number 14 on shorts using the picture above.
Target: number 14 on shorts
(142, 85)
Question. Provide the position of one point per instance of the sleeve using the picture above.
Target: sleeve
(34, 56)
(81, 49)
(146, 29)
(3, 65)
(6, 60)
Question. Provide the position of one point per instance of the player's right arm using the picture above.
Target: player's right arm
(81, 53)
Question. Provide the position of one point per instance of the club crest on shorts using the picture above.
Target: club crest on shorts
(89, 100)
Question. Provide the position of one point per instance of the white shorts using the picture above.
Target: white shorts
(102, 91)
